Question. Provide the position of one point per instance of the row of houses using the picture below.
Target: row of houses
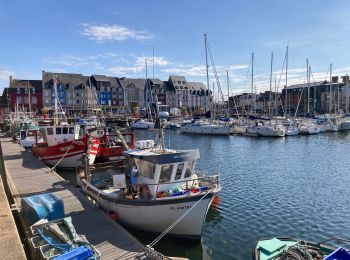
(77, 92)
(300, 99)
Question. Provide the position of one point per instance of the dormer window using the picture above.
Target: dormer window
(179, 82)
(18, 90)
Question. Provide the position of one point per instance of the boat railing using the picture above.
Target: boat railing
(143, 190)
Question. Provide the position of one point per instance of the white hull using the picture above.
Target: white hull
(268, 131)
(292, 130)
(72, 161)
(156, 215)
(251, 131)
(240, 129)
(143, 125)
(344, 126)
(205, 129)
(309, 130)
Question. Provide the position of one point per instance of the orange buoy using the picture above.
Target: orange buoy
(216, 201)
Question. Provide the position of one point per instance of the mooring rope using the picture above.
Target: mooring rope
(70, 147)
(176, 221)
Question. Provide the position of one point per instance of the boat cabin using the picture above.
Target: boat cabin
(168, 171)
(57, 134)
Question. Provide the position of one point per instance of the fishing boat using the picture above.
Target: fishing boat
(205, 128)
(62, 144)
(111, 145)
(290, 248)
(156, 188)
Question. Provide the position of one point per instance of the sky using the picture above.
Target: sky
(115, 37)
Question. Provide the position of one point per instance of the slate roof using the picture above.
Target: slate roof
(23, 83)
(127, 82)
(67, 79)
(196, 86)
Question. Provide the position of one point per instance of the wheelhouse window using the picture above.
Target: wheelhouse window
(71, 130)
(58, 130)
(65, 130)
(49, 131)
(147, 169)
(179, 170)
(189, 169)
(165, 173)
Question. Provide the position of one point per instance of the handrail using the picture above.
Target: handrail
(214, 179)
(334, 238)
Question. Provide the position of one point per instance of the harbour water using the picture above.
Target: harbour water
(296, 186)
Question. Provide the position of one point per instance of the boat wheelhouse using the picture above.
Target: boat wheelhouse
(61, 146)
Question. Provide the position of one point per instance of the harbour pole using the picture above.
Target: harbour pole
(308, 86)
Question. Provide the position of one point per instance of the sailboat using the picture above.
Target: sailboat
(202, 127)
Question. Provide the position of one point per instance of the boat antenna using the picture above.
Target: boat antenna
(286, 97)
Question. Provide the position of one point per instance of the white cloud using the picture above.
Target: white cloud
(158, 61)
(67, 60)
(104, 56)
(140, 65)
(102, 33)
(5, 74)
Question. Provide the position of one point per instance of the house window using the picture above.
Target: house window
(19, 100)
(26, 91)
(77, 94)
(46, 94)
(18, 90)
(34, 100)
(46, 101)
(33, 90)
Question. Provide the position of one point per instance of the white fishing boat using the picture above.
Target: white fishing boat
(163, 189)
(143, 124)
(251, 131)
(205, 128)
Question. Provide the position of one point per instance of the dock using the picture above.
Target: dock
(28, 176)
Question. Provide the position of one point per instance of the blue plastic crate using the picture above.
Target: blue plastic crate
(339, 254)
(44, 206)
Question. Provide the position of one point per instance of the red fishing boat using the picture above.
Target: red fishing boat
(111, 146)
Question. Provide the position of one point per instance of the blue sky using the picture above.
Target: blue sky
(115, 37)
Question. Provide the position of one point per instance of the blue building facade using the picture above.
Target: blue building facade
(105, 98)
(61, 92)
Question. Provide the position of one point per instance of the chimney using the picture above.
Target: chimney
(335, 79)
(345, 79)
(10, 79)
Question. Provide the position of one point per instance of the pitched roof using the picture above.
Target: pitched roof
(23, 83)
(127, 82)
(67, 79)
(102, 78)
(4, 98)
(196, 85)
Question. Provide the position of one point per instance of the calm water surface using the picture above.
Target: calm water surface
(296, 186)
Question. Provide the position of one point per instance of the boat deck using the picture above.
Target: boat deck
(29, 176)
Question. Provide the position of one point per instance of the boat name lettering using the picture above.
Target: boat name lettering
(180, 207)
(66, 148)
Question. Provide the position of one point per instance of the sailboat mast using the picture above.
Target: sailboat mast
(286, 93)
(207, 66)
(330, 88)
(56, 96)
(308, 86)
(252, 90)
(228, 94)
(270, 84)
